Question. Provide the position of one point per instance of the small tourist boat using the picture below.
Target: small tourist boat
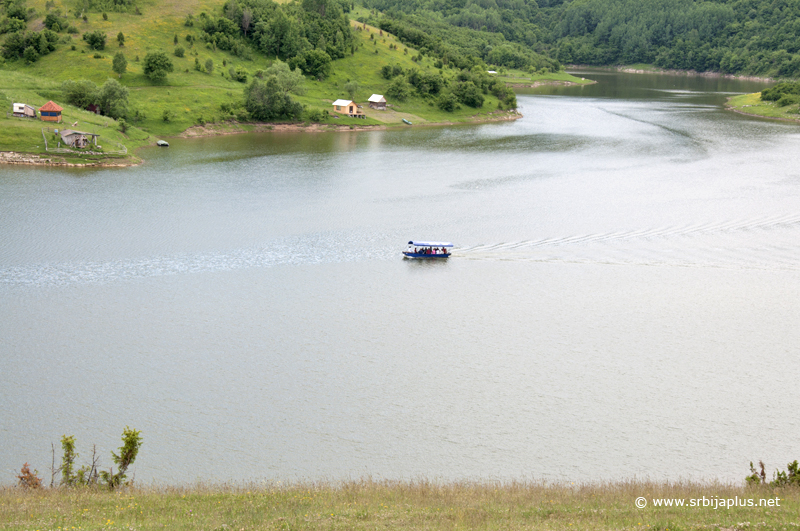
(162, 143)
(417, 249)
(406, 121)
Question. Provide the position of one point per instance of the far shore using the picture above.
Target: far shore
(671, 72)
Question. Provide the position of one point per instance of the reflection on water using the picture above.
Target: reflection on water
(623, 283)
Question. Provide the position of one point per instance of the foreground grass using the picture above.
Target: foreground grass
(752, 104)
(395, 505)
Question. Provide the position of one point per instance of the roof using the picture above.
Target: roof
(430, 244)
(20, 105)
(342, 103)
(50, 106)
(68, 132)
(377, 98)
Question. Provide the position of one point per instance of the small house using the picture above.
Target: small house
(77, 139)
(93, 108)
(23, 110)
(50, 112)
(349, 108)
(377, 101)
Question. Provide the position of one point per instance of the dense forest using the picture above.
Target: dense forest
(730, 36)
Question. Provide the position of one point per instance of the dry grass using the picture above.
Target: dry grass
(368, 504)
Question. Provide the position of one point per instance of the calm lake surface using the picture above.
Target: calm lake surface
(622, 300)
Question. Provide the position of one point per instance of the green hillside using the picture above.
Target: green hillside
(56, 43)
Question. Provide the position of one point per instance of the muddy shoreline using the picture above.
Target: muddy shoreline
(32, 159)
(233, 128)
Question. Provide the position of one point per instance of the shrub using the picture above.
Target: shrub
(238, 73)
(788, 99)
(157, 65)
(209, 66)
(447, 102)
(27, 479)
(95, 39)
(179, 51)
(399, 89)
(131, 442)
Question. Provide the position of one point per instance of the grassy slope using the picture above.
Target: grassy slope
(752, 104)
(375, 505)
(191, 96)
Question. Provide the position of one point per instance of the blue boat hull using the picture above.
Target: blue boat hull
(420, 255)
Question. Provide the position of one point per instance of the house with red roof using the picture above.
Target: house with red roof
(50, 112)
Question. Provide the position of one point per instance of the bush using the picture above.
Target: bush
(468, 94)
(156, 66)
(788, 99)
(447, 102)
(210, 66)
(266, 100)
(238, 73)
(179, 51)
(28, 479)
(95, 39)
(399, 89)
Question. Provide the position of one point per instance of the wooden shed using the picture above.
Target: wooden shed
(349, 108)
(50, 112)
(377, 101)
(23, 110)
(77, 139)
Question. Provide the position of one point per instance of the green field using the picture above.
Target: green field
(189, 96)
(752, 104)
(398, 505)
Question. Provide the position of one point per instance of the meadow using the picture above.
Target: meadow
(191, 97)
(370, 504)
(752, 104)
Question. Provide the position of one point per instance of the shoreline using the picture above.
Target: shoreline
(35, 159)
(675, 72)
(548, 84)
(732, 108)
(233, 128)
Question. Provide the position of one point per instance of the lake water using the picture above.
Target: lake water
(622, 300)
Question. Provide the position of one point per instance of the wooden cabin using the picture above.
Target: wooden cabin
(377, 101)
(50, 112)
(77, 139)
(349, 108)
(23, 110)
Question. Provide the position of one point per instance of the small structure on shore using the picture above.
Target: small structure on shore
(23, 110)
(377, 101)
(50, 112)
(349, 108)
(77, 139)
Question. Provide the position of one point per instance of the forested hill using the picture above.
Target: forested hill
(730, 36)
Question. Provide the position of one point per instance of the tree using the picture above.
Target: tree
(399, 89)
(210, 66)
(112, 98)
(265, 100)
(247, 20)
(157, 65)
(131, 442)
(315, 63)
(469, 94)
(351, 87)
(121, 39)
(120, 64)
(81, 93)
(447, 102)
(95, 39)
(289, 80)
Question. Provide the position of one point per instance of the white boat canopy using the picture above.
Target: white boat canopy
(430, 244)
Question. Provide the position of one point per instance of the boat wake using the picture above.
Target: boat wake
(766, 243)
